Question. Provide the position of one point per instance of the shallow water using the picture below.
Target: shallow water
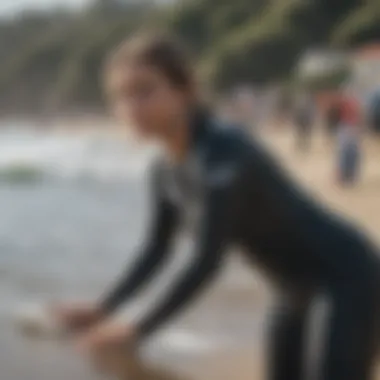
(66, 234)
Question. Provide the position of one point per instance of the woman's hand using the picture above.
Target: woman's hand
(77, 316)
(110, 348)
(106, 336)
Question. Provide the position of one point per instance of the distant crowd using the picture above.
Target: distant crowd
(343, 114)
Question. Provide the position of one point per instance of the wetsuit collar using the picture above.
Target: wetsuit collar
(198, 124)
(200, 117)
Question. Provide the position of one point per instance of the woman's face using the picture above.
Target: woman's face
(142, 97)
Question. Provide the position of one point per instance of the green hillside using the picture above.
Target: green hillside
(51, 62)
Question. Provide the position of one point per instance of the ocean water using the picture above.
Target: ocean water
(73, 209)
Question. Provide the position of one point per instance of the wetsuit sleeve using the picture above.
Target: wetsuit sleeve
(153, 253)
(207, 259)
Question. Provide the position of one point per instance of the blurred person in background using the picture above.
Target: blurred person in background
(332, 112)
(373, 112)
(348, 140)
(304, 116)
(283, 108)
(226, 188)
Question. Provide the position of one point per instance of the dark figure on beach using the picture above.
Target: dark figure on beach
(348, 142)
(219, 181)
(374, 112)
(333, 117)
(304, 116)
(283, 109)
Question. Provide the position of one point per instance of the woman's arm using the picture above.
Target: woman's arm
(207, 260)
(153, 253)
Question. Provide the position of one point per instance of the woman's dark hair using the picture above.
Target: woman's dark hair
(159, 51)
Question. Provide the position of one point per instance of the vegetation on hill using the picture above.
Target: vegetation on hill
(51, 62)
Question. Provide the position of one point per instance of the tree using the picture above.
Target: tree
(361, 25)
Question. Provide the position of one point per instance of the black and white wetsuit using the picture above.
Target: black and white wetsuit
(235, 193)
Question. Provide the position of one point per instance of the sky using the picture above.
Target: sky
(12, 6)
